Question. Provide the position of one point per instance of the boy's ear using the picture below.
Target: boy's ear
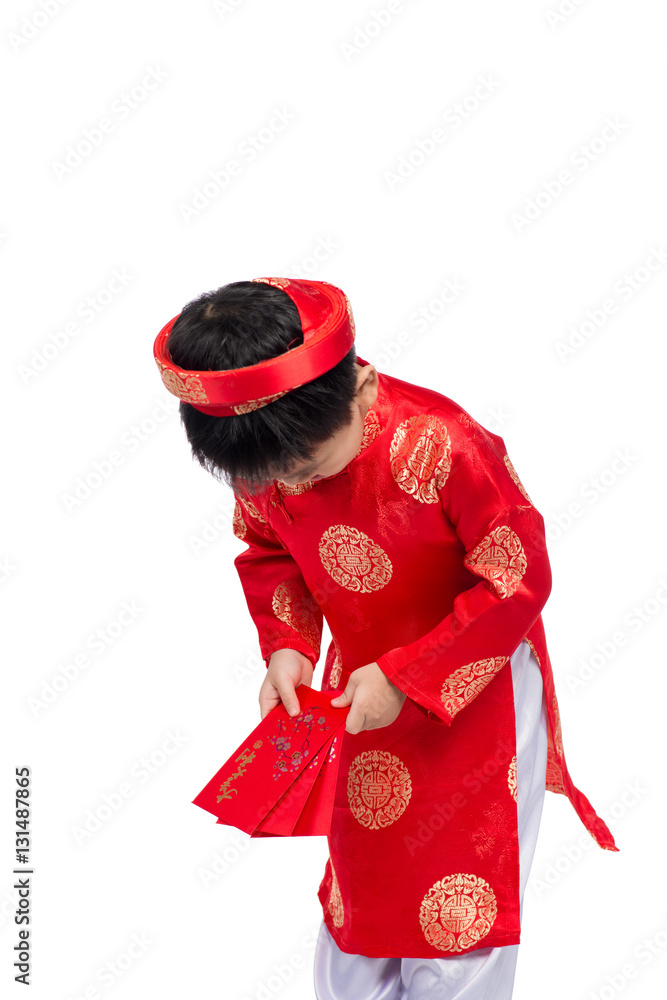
(367, 385)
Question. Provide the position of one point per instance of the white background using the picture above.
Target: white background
(153, 531)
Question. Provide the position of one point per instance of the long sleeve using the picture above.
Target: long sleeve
(284, 611)
(504, 540)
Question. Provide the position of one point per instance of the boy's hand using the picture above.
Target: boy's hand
(375, 702)
(286, 670)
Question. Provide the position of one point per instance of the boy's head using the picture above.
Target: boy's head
(310, 432)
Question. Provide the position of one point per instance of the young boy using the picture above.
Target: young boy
(386, 508)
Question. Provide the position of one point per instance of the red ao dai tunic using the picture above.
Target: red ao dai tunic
(426, 555)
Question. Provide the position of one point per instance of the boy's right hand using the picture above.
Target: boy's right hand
(286, 670)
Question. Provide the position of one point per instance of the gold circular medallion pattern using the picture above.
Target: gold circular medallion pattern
(378, 788)
(500, 559)
(296, 608)
(354, 560)
(421, 456)
(464, 684)
(336, 901)
(457, 912)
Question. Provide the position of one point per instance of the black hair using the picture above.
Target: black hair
(241, 324)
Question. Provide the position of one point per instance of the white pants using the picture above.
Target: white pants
(484, 974)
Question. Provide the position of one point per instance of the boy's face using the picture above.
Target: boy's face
(331, 457)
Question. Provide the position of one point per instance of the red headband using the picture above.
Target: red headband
(328, 334)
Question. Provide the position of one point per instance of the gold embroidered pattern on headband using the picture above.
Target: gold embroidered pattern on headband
(278, 282)
(254, 404)
(188, 388)
(349, 316)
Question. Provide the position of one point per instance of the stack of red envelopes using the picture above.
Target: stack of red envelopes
(281, 781)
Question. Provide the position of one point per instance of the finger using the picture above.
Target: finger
(341, 700)
(268, 699)
(289, 698)
(355, 721)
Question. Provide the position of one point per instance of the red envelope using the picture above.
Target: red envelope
(315, 817)
(280, 781)
(305, 810)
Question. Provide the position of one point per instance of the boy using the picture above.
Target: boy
(388, 509)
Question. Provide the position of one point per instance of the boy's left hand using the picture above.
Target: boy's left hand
(375, 702)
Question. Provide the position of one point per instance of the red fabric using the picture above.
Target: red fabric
(427, 556)
(328, 334)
